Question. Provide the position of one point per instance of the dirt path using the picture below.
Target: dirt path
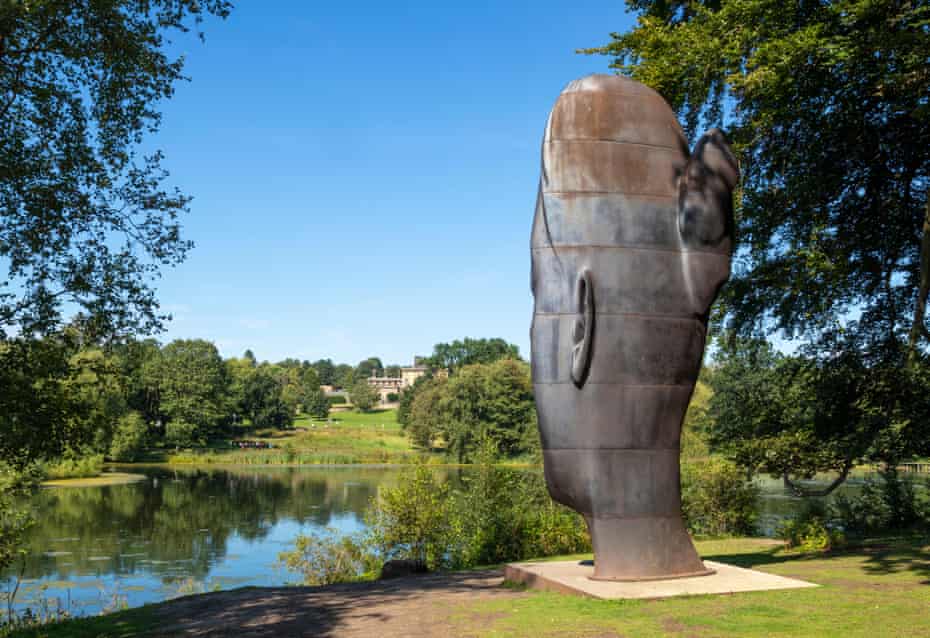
(404, 607)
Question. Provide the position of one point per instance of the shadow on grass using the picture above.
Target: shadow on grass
(883, 555)
(334, 610)
(893, 556)
(767, 556)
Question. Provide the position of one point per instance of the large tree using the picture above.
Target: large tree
(326, 371)
(192, 381)
(794, 416)
(482, 402)
(459, 353)
(363, 396)
(827, 107)
(86, 219)
(264, 399)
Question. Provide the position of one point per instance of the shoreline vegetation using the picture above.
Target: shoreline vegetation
(107, 478)
(872, 587)
(346, 437)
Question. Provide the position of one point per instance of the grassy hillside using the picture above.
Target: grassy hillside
(346, 437)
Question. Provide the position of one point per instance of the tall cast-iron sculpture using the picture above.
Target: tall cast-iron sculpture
(631, 243)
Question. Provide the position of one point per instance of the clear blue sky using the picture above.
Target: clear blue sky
(364, 174)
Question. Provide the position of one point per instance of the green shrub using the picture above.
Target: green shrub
(74, 465)
(393, 397)
(891, 503)
(412, 521)
(129, 439)
(551, 530)
(15, 520)
(808, 531)
(323, 559)
(337, 399)
(718, 498)
(499, 515)
(504, 514)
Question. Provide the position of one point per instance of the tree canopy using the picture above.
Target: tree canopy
(481, 403)
(363, 396)
(793, 416)
(827, 107)
(451, 356)
(85, 219)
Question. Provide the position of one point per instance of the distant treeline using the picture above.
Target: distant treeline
(66, 396)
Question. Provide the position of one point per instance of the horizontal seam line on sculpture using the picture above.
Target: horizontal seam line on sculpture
(622, 193)
(627, 449)
(626, 193)
(614, 383)
(590, 91)
(620, 516)
(648, 315)
(604, 139)
(657, 249)
(627, 385)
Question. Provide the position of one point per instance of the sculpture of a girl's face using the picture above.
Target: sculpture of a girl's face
(631, 242)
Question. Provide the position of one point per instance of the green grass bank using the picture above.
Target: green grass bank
(880, 587)
(345, 438)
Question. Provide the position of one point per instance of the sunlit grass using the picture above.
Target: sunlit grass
(345, 438)
(881, 589)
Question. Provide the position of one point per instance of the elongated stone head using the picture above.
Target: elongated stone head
(631, 242)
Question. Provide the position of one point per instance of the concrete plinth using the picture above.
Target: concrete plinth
(574, 577)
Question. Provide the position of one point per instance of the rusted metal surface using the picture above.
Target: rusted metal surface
(631, 242)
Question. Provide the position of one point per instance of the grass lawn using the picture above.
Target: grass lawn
(879, 589)
(346, 438)
(882, 589)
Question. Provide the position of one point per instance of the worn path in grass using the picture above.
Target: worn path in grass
(882, 589)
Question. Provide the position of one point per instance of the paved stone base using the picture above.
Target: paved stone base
(574, 577)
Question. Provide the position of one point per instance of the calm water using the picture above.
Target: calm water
(182, 531)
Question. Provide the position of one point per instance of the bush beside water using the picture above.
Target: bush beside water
(501, 514)
(74, 467)
(718, 498)
(888, 504)
(885, 504)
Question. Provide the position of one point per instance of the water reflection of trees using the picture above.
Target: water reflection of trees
(178, 523)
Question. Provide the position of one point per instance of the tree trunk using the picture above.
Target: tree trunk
(918, 329)
(806, 493)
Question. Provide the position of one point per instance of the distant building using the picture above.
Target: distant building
(393, 385)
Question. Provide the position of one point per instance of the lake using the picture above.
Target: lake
(188, 530)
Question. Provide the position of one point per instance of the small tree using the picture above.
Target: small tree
(412, 521)
(15, 521)
(181, 433)
(363, 396)
(316, 404)
(129, 438)
(264, 403)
